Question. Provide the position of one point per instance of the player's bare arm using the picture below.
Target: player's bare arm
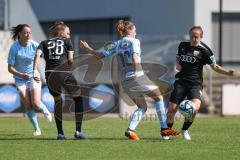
(222, 70)
(178, 65)
(84, 45)
(35, 65)
(12, 70)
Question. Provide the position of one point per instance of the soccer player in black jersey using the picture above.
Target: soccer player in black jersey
(57, 51)
(191, 58)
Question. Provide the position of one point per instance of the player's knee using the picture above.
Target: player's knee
(197, 104)
(197, 107)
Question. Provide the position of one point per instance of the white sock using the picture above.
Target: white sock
(161, 113)
(43, 108)
(136, 118)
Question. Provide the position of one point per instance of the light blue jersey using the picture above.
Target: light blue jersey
(125, 48)
(21, 58)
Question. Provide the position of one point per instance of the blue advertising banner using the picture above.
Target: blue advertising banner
(9, 98)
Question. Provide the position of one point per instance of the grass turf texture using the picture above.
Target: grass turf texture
(212, 139)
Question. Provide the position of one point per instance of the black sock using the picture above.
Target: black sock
(186, 125)
(78, 112)
(58, 116)
(188, 122)
(169, 125)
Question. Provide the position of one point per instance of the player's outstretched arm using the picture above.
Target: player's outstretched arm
(35, 65)
(222, 70)
(84, 45)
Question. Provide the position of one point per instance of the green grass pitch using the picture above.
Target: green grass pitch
(213, 138)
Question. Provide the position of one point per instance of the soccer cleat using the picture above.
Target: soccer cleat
(79, 135)
(131, 135)
(37, 132)
(48, 115)
(186, 135)
(169, 132)
(61, 137)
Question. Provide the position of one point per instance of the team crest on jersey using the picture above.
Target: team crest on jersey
(125, 44)
(196, 53)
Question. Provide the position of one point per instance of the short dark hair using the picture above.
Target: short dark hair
(196, 28)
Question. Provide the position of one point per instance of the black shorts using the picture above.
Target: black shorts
(58, 81)
(183, 89)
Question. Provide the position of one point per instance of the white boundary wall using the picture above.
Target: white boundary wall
(203, 10)
(230, 99)
(5, 43)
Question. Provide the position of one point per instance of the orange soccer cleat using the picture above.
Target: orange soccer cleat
(131, 135)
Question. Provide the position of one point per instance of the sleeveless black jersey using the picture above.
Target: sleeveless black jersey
(192, 59)
(55, 51)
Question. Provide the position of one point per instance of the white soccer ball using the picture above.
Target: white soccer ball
(187, 108)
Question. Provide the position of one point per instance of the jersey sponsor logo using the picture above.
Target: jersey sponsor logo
(196, 53)
(189, 59)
